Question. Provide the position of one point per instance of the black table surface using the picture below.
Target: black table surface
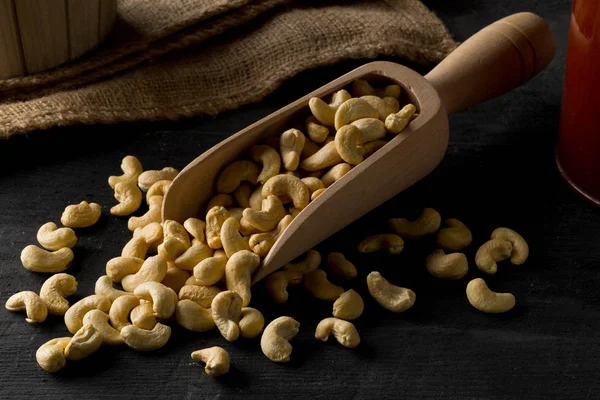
(499, 171)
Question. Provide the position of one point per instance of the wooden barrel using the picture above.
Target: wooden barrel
(36, 35)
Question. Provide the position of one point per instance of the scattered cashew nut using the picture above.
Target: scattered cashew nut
(325, 113)
(343, 331)
(55, 289)
(84, 343)
(34, 306)
(52, 238)
(193, 317)
(226, 310)
(143, 317)
(327, 156)
(291, 144)
(490, 253)
(36, 259)
(104, 287)
(268, 217)
(391, 297)
(447, 266)
(215, 218)
(317, 284)
(176, 240)
(120, 310)
(163, 299)
(277, 282)
(75, 313)
(520, 250)
(348, 306)
(383, 241)
(149, 178)
(238, 273)
(352, 110)
(99, 320)
(81, 215)
(195, 227)
(146, 340)
(395, 123)
(202, 295)
(456, 236)
(287, 187)
(231, 177)
(132, 168)
(252, 323)
(231, 238)
(216, 358)
(340, 266)
(50, 356)
(483, 299)
(428, 222)
(152, 215)
(275, 340)
(192, 256)
(212, 269)
(154, 269)
(129, 197)
(119, 267)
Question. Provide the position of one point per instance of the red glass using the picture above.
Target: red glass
(578, 149)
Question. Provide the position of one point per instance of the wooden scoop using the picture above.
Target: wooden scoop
(497, 59)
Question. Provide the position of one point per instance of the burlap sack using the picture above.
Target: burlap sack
(215, 57)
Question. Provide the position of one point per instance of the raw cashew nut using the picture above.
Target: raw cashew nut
(317, 133)
(455, 237)
(372, 147)
(81, 215)
(129, 197)
(226, 310)
(158, 188)
(36, 259)
(132, 168)
(291, 144)
(99, 320)
(261, 243)
(325, 113)
(212, 269)
(216, 358)
(152, 215)
(50, 356)
(146, 340)
(520, 250)
(220, 200)
(395, 123)
(348, 306)
(231, 239)
(52, 238)
(137, 247)
(340, 266)
(252, 323)
(384, 106)
(313, 184)
(55, 289)
(242, 194)
(104, 287)
(287, 187)
(193, 256)
(361, 87)
(163, 299)
(316, 194)
(154, 269)
(370, 129)
(335, 174)
(84, 343)
(347, 143)
(310, 148)
(175, 278)
(311, 262)
(316, 283)
(383, 241)
(176, 240)
(277, 283)
(119, 267)
(343, 331)
(270, 160)
(267, 219)
(447, 266)
(327, 156)
(120, 310)
(195, 227)
(427, 223)
(202, 295)
(143, 317)
(390, 297)
(490, 253)
(231, 177)
(215, 218)
(193, 317)
(34, 306)
(192, 281)
(74, 315)
(483, 299)
(353, 110)
(275, 340)
(255, 200)
(149, 178)
(238, 273)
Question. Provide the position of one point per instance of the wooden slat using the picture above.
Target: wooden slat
(83, 25)
(11, 58)
(108, 12)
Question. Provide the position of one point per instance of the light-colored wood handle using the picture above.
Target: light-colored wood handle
(495, 60)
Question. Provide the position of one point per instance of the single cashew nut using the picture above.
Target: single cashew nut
(343, 331)
(483, 299)
(231, 177)
(270, 160)
(202, 295)
(215, 218)
(216, 358)
(370, 129)
(267, 219)
(129, 197)
(158, 188)
(34, 306)
(231, 239)
(52, 238)
(149, 178)
(384, 107)
(316, 194)
(212, 269)
(252, 323)
(261, 243)
(347, 142)
(427, 223)
(143, 317)
(176, 240)
(137, 247)
(132, 168)
(99, 320)
(340, 266)
(55, 289)
(81, 215)
(220, 200)
(348, 306)
(316, 132)
(353, 110)
(120, 310)
(395, 123)
(325, 113)
(275, 340)
(193, 317)
(226, 310)
(36, 259)
(291, 144)
(50, 356)
(154, 269)
(195, 227)
(238, 273)
(335, 174)
(175, 278)
(192, 256)
(455, 237)
(316, 283)
(287, 187)
(277, 283)
(75, 313)
(391, 297)
(119, 267)
(383, 241)
(447, 266)
(146, 340)
(84, 343)
(520, 248)
(104, 287)
(490, 253)
(163, 299)
(327, 156)
(152, 215)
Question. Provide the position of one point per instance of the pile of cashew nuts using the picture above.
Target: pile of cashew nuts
(198, 273)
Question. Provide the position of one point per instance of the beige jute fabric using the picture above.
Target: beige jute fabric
(169, 59)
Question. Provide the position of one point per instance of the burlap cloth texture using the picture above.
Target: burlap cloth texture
(168, 59)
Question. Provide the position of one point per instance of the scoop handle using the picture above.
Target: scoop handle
(496, 59)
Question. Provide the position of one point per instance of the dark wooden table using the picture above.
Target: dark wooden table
(499, 171)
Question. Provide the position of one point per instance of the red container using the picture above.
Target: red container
(578, 149)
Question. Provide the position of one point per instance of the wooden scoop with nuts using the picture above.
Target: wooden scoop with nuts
(497, 59)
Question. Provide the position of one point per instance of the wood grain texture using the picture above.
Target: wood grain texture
(107, 13)
(83, 22)
(498, 170)
(11, 59)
